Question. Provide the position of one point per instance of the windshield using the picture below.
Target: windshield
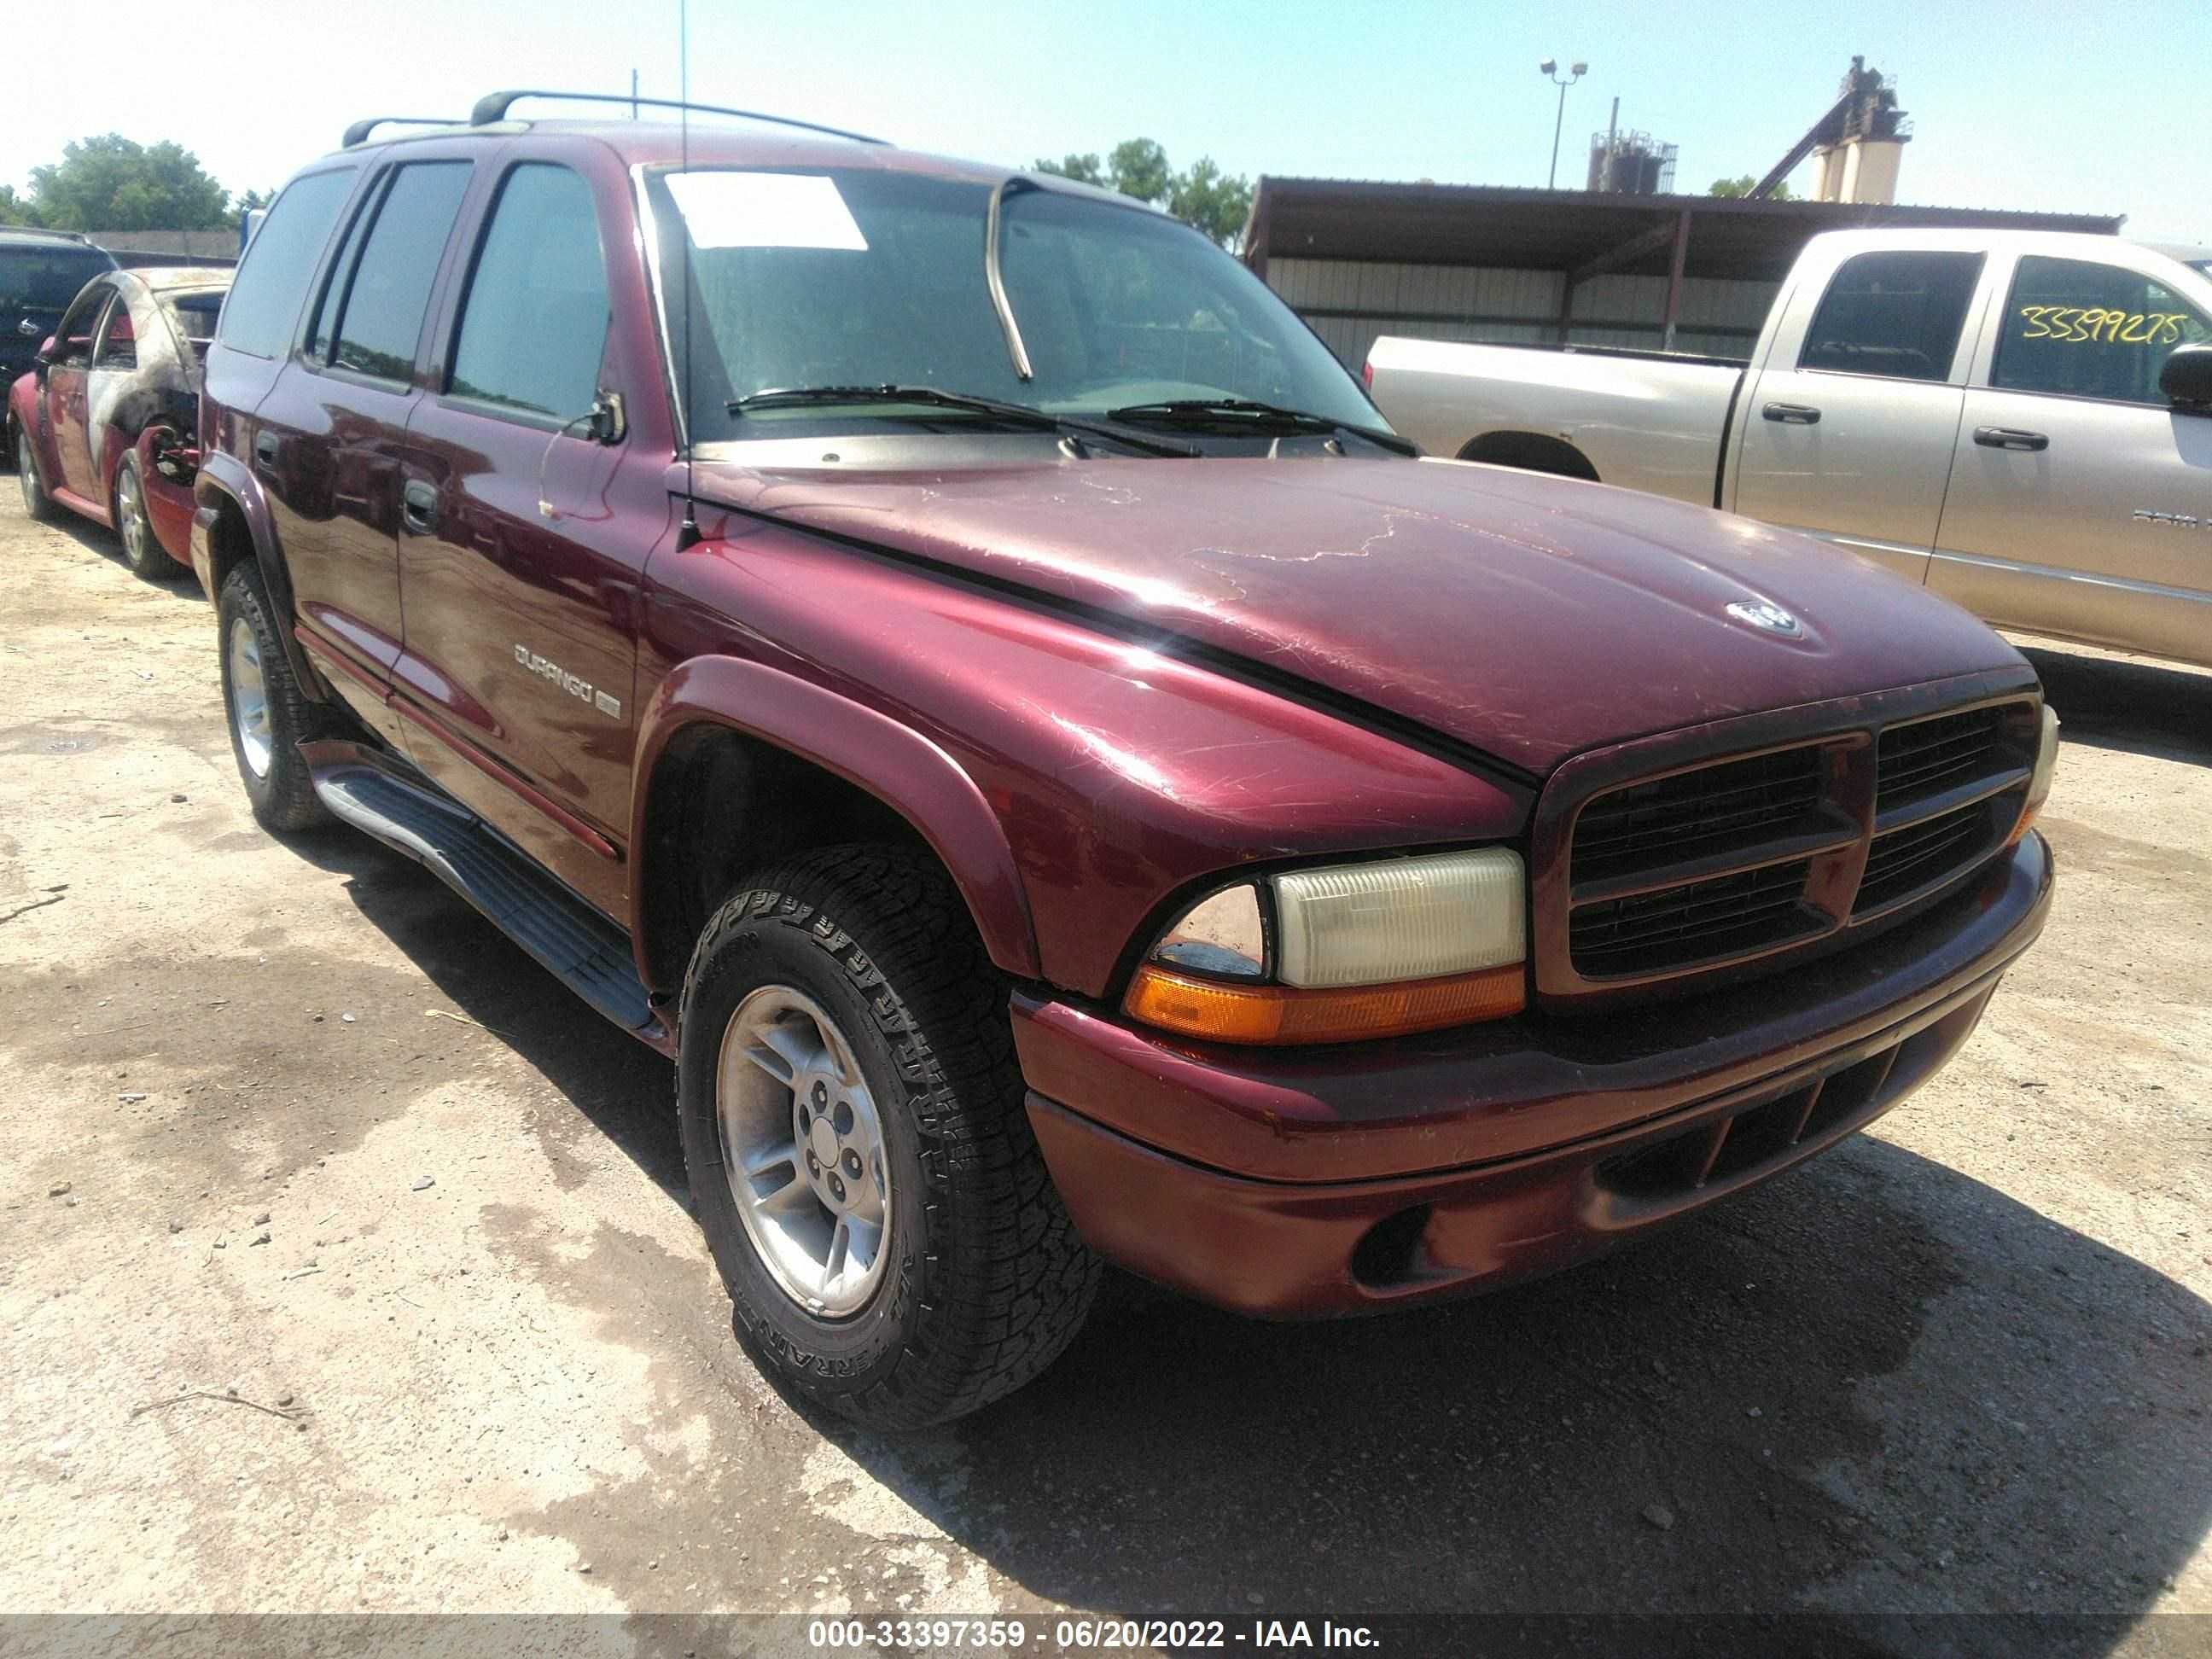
(867, 279)
(46, 279)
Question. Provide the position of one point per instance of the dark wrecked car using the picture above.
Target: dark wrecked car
(949, 658)
(104, 423)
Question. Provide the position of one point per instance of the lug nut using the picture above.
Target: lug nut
(836, 1189)
(813, 1163)
(852, 1163)
(821, 1094)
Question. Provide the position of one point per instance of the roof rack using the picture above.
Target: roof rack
(361, 130)
(40, 230)
(493, 107)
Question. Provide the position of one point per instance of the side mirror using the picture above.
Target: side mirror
(46, 349)
(610, 421)
(2186, 380)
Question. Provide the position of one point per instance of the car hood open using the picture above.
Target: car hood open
(1528, 617)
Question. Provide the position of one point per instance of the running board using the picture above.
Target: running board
(579, 946)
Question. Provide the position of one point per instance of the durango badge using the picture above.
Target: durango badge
(575, 684)
(1766, 617)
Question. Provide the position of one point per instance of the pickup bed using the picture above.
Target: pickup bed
(2021, 420)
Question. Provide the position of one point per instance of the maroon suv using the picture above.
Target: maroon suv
(947, 656)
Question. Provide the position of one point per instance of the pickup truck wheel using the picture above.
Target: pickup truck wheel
(857, 1152)
(268, 716)
(142, 549)
(36, 502)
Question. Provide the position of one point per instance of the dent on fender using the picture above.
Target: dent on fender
(898, 765)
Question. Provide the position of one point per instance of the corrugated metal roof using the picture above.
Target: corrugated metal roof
(1516, 227)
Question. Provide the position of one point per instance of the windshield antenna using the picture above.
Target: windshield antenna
(1015, 349)
(688, 535)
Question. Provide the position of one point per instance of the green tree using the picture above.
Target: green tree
(250, 200)
(1083, 169)
(113, 183)
(1212, 200)
(16, 210)
(1215, 202)
(1742, 185)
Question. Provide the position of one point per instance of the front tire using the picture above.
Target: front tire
(36, 503)
(859, 1153)
(142, 549)
(267, 715)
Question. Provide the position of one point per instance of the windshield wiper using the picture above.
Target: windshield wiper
(1217, 412)
(1023, 414)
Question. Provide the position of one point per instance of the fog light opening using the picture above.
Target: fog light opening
(1388, 1254)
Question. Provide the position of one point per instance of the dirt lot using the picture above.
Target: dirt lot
(1962, 1364)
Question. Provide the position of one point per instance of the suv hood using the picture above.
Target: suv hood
(1528, 616)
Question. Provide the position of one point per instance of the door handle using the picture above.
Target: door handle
(418, 506)
(264, 448)
(2009, 437)
(1792, 414)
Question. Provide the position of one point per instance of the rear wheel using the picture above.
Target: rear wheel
(857, 1150)
(36, 502)
(142, 549)
(268, 716)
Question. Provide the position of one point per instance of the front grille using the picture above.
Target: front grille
(1713, 809)
(1694, 923)
(1680, 871)
(1906, 859)
(1928, 757)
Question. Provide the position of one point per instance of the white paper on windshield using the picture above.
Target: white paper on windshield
(765, 209)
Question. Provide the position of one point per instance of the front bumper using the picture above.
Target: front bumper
(1333, 1181)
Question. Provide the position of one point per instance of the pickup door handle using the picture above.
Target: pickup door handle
(418, 506)
(1792, 414)
(2009, 437)
(264, 448)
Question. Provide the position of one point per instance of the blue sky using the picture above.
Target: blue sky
(2075, 107)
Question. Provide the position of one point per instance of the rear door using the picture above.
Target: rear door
(2080, 500)
(69, 385)
(1847, 430)
(520, 574)
(332, 430)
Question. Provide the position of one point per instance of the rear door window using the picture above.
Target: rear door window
(39, 279)
(2081, 328)
(264, 307)
(1892, 314)
(535, 323)
(380, 319)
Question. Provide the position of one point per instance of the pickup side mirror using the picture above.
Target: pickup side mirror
(2186, 380)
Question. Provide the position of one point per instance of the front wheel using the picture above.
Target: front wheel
(268, 716)
(142, 549)
(857, 1150)
(36, 502)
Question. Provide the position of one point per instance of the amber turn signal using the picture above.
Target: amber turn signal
(1220, 1012)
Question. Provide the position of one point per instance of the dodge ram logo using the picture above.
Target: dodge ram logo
(1767, 618)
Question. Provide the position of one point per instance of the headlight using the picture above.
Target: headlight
(1356, 950)
(2039, 780)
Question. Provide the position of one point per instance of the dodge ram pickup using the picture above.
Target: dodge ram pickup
(944, 654)
(2020, 420)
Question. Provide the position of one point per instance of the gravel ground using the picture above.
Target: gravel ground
(290, 1120)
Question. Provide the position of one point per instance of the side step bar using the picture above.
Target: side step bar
(580, 947)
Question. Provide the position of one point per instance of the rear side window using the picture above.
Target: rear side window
(44, 279)
(536, 320)
(2084, 329)
(1893, 314)
(264, 300)
(381, 318)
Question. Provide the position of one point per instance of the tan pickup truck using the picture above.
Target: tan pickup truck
(2021, 420)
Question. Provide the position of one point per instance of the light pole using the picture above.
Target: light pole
(1575, 72)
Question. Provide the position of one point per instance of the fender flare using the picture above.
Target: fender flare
(224, 476)
(898, 765)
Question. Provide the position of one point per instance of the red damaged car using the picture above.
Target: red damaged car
(105, 423)
(947, 656)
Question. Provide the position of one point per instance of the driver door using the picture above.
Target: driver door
(69, 378)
